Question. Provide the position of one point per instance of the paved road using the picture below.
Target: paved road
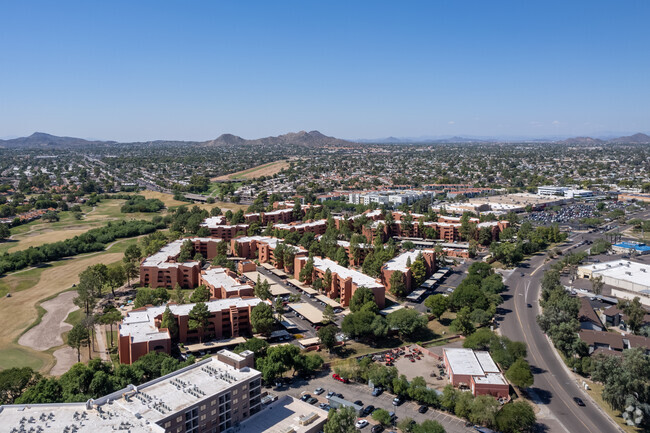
(555, 387)
(353, 392)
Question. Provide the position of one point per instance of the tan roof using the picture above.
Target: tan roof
(612, 339)
(587, 313)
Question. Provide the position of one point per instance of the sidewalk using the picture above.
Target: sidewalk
(100, 336)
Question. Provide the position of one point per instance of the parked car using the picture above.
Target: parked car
(329, 394)
(397, 401)
(312, 400)
(377, 391)
(367, 410)
(305, 397)
(361, 423)
(358, 403)
(377, 428)
(339, 378)
(578, 401)
(319, 391)
(423, 409)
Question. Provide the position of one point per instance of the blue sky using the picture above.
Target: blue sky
(141, 70)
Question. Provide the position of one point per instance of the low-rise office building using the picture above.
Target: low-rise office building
(212, 395)
(344, 281)
(140, 331)
(475, 370)
(163, 270)
(628, 279)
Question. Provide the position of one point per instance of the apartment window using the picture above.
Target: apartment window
(179, 418)
(168, 424)
(202, 407)
(234, 392)
(203, 417)
(214, 412)
(213, 402)
(192, 421)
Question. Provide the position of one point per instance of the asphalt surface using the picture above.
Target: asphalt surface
(353, 392)
(554, 387)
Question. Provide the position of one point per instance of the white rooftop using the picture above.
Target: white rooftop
(217, 277)
(399, 263)
(491, 379)
(140, 324)
(171, 251)
(214, 221)
(464, 362)
(300, 225)
(624, 270)
(358, 278)
(287, 414)
(486, 361)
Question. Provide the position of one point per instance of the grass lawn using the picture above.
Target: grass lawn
(596, 392)
(441, 327)
(14, 355)
(75, 317)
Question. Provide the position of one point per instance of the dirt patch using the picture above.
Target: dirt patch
(268, 169)
(47, 334)
(46, 236)
(65, 357)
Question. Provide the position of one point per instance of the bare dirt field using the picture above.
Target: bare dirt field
(168, 200)
(47, 334)
(261, 170)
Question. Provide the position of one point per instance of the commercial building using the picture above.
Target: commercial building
(548, 190)
(400, 264)
(140, 331)
(475, 370)
(344, 281)
(224, 283)
(212, 395)
(631, 248)
(163, 270)
(628, 279)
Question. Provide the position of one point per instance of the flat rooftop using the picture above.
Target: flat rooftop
(171, 251)
(308, 311)
(214, 221)
(358, 278)
(624, 270)
(287, 414)
(218, 277)
(464, 362)
(399, 263)
(140, 324)
(490, 379)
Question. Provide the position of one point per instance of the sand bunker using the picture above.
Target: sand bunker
(47, 334)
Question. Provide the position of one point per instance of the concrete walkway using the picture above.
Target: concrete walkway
(102, 347)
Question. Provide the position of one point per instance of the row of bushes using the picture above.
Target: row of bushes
(92, 240)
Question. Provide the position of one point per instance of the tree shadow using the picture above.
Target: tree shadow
(536, 370)
(344, 351)
(540, 395)
(445, 321)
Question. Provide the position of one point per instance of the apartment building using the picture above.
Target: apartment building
(219, 229)
(274, 217)
(261, 247)
(317, 227)
(344, 281)
(163, 270)
(140, 331)
(212, 395)
(400, 264)
(224, 283)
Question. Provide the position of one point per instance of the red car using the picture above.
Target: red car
(339, 378)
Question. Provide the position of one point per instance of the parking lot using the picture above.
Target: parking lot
(353, 392)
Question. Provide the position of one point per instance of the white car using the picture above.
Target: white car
(319, 391)
(361, 423)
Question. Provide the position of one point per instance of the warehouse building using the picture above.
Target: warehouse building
(628, 279)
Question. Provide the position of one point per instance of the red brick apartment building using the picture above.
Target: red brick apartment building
(317, 227)
(399, 264)
(224, 283)
(162, 269)
(260, 247)
(274, 217)
(344, 281)
(140, 331)
(219, 229)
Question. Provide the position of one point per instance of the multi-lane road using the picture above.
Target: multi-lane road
(555, 386)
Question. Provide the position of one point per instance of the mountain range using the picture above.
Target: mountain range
(302, 138)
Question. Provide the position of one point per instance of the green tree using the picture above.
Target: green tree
(463, 322)
(429, 426)
(78, 336)
(14, 381)
(200, 294)
(341, 420)
(132, 254)
(361, 297)
(115, 277)
(262, 318)
(169, 322)
(4, 231)
(342, 257)
(131, 271)
(397, 284)
(406, 425)
(634, 312)
(437, 304)
(382, 417)
(519, 374)
(307, 272)
(597, 285)
(419, 270)
(178, 296)
(400, 386)
(255, 345)
(328, 314)
(407, 322)
(327, 336)
(483, 410)
(111, 317)
(516, 417)
(198, 318)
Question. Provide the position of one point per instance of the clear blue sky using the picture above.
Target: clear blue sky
(140, 70)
